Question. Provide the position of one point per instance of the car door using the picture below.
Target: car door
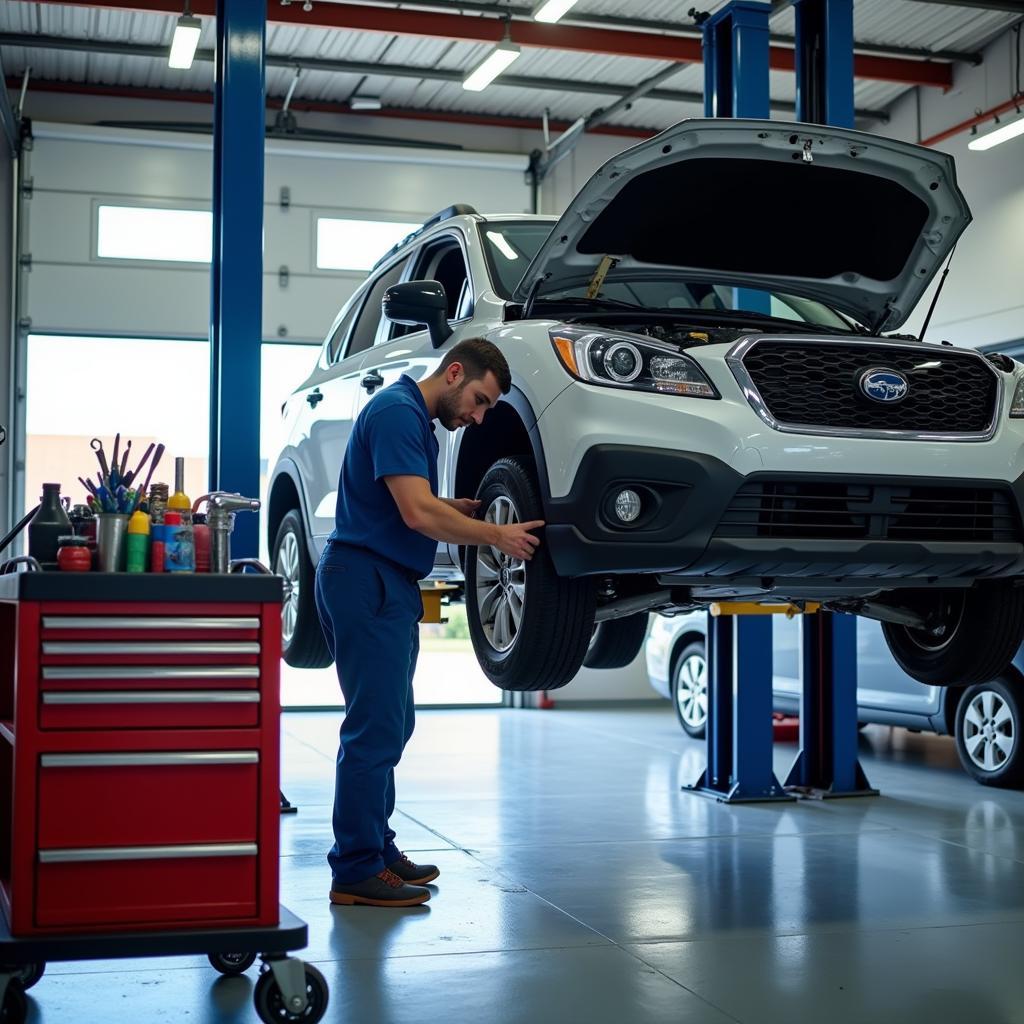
(336, 401)
(401, 349)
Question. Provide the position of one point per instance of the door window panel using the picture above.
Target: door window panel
(365, 330)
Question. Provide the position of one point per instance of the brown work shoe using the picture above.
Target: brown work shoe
(413, 874)
(385, 889)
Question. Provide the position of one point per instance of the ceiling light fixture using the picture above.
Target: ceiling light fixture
(186, 38)
(551, 10)
(365, 103)
(1003, 133)
(503, 54)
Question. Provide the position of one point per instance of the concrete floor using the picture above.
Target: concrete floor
(580, 885)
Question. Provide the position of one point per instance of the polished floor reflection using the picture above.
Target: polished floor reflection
(579, 884)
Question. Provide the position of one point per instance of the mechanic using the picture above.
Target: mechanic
(387, 526)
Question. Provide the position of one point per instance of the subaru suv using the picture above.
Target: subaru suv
(708, 404)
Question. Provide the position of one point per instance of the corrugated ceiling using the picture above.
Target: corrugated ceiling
(882, 22)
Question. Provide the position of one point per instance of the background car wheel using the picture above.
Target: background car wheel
(690, 689)
(530, 627)
(302, 639)
(982, 629)
(615, 643)
(988, 740)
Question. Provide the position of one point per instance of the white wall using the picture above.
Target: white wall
(983, 298)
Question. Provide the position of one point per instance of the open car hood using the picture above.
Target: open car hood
(858, 222)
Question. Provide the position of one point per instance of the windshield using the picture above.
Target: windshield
(511, 245)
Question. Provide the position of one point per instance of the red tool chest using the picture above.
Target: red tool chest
(139, 751)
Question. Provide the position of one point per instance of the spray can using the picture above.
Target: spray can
(137, 542)
(201, 540)
(157, 511)
(179, 552)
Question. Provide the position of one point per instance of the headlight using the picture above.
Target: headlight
(625, 361)
(1017, 405)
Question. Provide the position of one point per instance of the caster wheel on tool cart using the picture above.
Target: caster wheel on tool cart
(232, 963)
(270, 1003)
(15, 1008)
(27, 974)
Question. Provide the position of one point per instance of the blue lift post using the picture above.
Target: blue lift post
(827, 764)
(735, 49)
(239, 129)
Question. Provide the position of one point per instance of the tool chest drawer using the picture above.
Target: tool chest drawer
(93, 889)
(142, 799)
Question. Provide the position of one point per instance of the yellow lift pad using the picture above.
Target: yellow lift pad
(431, 594)
(749, 608)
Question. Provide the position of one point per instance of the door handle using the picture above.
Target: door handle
(372, 381)
(315, 396)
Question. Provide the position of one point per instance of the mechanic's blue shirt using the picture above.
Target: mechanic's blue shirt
(392, 436)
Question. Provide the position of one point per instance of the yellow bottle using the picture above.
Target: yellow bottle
(137, 542)
(179, 501)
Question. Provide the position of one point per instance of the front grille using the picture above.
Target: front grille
(816, 384)
(819, 511)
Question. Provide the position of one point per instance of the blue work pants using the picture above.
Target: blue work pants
(370, 611)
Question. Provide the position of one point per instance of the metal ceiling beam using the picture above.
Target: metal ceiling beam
(387, 70)
(679, 29)
(324, 107)
(8, 119)
(611, 42)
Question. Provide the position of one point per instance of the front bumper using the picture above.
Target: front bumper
(687, 495)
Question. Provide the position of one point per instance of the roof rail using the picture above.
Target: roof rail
(456, 210)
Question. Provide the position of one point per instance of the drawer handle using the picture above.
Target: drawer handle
(151, 671)
(153, 697)
(183, 757)
(86, 854)
(152, 622)
(212, 647)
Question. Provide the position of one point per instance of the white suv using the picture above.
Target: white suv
(704, 406)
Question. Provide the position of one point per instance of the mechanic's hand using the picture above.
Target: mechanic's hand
(517, 541)
(467, 506)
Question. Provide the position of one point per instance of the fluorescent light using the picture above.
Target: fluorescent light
(551, 10)
(490, 67)
(184, 43)
(1002, 134)
(365, 103)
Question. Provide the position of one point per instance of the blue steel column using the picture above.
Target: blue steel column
(735, 43)
(237, 266)
(824, 62)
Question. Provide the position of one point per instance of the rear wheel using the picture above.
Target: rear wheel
(530, 627)
(615, 643)
(988, 724)
(974, 635)
(302, 639)
(690, 689)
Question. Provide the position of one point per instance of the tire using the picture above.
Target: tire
(690, 689)
(232, 963)
(15, 1006)
(546, 648)
(269, 1001)
(302, 639)
(615, 643)
(989, 717)
(985, 626)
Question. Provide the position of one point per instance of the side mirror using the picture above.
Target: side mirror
(419, 302)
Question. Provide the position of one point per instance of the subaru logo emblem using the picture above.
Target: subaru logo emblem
(883, 385)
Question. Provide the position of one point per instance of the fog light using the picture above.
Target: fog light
(627, 505)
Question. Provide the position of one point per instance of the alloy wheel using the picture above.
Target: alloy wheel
(989, 731)
(692, 691)
(287, 566)
(500, 583)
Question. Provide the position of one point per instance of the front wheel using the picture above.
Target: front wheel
(302, 639)
(530, 627)
(690, 689)
(616, 642)
(988, 740)
(972, 637)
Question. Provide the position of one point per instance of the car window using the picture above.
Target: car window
(443, 260)
(341, 333)
(365, 329)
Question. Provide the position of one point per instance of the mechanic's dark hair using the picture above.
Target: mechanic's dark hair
(477, 356)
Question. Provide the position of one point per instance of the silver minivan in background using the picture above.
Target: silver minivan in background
(985, 719)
